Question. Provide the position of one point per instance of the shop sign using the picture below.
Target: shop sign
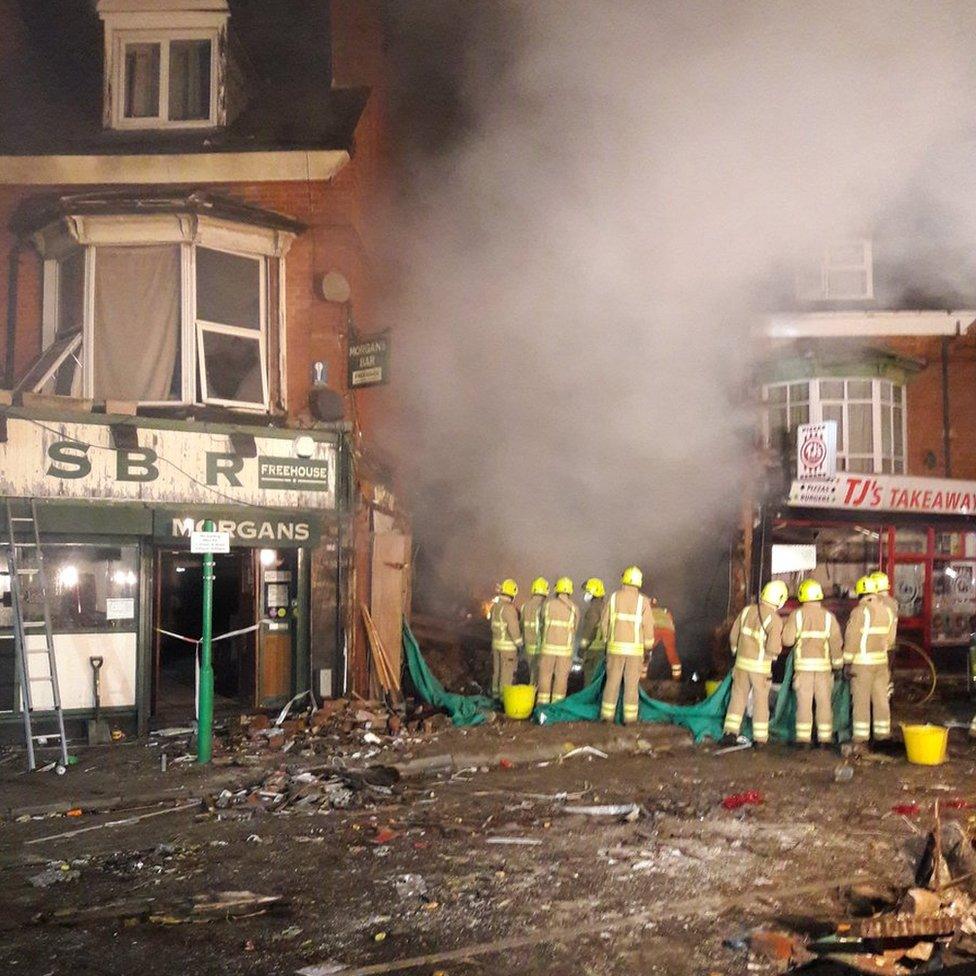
(887, 493)
(61, 460)
(369, 361)
(261, 528)
(816, 450)
(297, 474)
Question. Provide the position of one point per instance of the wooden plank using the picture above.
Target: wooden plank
(390, 555)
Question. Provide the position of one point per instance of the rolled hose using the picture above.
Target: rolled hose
(920, 651)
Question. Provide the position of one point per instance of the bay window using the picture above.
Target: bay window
(869, 413)
(162, 312)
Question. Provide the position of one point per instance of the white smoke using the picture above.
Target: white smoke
(579, 270)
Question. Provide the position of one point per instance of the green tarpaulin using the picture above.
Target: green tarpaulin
(703, 719)
(463, 709)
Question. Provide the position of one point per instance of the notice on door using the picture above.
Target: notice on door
(209, 542)
(120, 608)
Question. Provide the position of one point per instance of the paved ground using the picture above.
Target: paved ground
(418, 874)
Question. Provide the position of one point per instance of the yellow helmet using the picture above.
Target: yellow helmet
(540, 586)
(774, 592)
(809, 591)
(865, 586)
(632, 576)
(595, 587)
(564, 585)
(508, 587)
(881, 581)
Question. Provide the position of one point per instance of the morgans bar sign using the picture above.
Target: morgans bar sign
(887, 493)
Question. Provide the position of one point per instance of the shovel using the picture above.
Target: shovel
(99, 734)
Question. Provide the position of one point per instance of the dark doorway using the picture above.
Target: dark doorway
(178, 617)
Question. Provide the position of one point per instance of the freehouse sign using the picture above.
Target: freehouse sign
(53, 459)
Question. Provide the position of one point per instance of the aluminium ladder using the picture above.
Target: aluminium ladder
(32, 615)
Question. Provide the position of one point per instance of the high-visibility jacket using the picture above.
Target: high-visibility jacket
(532, 623)
(892, 604)
(591, 636)
(559, 618)
(505, 632)
(868, 634)
(756, 638)
(628, 622)
(816, 638)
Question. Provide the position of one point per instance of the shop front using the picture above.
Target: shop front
(117, 499)
(921, 531)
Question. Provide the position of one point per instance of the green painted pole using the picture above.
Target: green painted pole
(205, 702)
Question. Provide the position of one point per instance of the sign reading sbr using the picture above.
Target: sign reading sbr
(69, 460)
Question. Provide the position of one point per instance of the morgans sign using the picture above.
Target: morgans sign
(53, 459)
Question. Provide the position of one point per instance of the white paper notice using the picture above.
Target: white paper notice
(120, 608)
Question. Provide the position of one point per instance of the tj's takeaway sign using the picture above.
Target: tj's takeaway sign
(887, 493)
(70, 460)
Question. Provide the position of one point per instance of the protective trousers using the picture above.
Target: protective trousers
(742, 682)
(592, 658)
(626, 670)
(502, 669)
(553, 677)
(533, 660)
(813, 687)
(869, 692)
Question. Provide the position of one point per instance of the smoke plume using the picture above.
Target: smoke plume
(598, 194)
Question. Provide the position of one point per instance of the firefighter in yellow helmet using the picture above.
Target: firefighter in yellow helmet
(628, 623)
(532, 624)
(592, 641)
(867, 640)
(506, 636)
(756, 641)
(818, 646)
(559, 620)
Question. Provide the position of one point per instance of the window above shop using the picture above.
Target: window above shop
(869, 413)
(844, 272)
(162, 309)
(164, 63)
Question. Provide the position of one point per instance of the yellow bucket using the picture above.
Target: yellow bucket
(711, 686)
(518, 700)
(925, 745)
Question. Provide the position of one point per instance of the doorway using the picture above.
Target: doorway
(178, 615)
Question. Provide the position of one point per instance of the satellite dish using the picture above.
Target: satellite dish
(334, 287)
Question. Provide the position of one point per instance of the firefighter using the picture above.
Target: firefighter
(818, 650)
(506, 636)
(882, 586)
(559, 618)
(532, 624)
(592, 641)
(664, 630)
(756, 640)
(866, 643)
(628, 623)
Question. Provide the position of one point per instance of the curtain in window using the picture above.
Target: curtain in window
(141, 81)
(137, 322)
(189, 80)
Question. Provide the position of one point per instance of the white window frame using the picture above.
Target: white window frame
(122, 38)
(243, 240)
(202, 326)
(808, 291)
(878, 457)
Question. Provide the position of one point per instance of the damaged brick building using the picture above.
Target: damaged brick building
(186, 211)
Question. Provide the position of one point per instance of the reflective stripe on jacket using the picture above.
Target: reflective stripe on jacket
(504, 626)
(816, 639)
(868, 634)
(532, 623)
(756, 639)
(616, 644)
(559, 615)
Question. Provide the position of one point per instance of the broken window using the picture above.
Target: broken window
(230, 304)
